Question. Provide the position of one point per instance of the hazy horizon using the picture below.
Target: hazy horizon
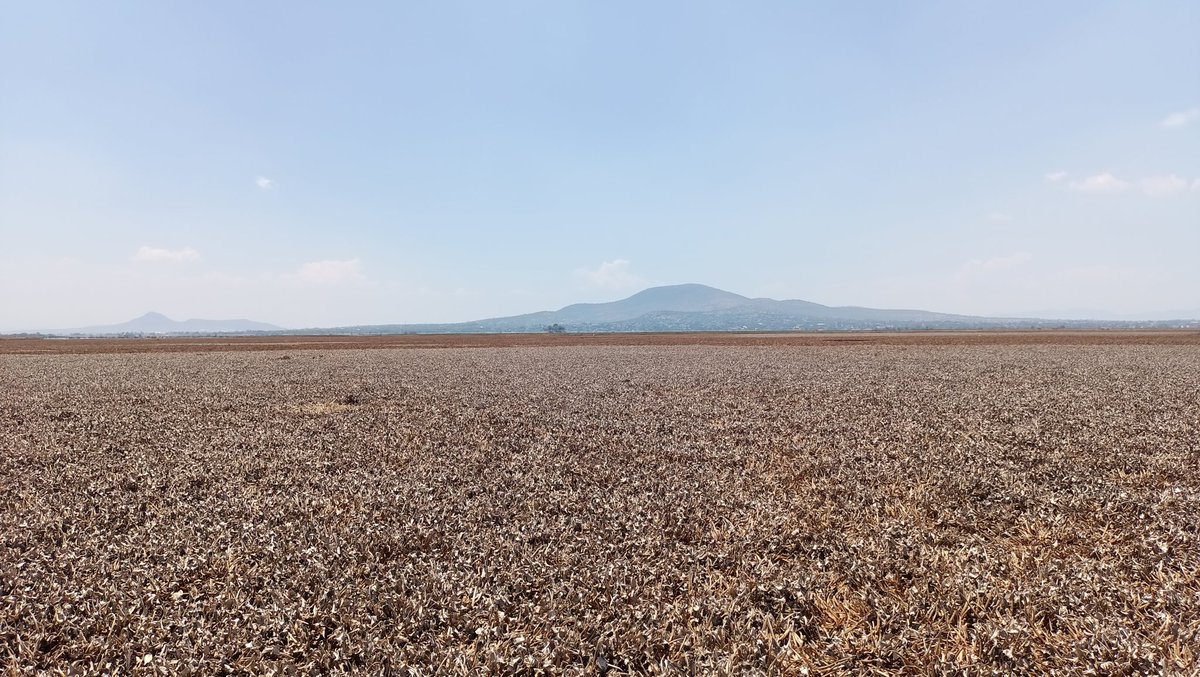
(1068, 314)
(386, 163)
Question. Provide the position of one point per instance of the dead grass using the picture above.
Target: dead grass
(320, 408)
(859, 509)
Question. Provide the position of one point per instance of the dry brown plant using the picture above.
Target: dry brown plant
(581, 509)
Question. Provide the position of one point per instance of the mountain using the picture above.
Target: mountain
(683, 306)
(696, 307)
(680, 298)
(1107, 316)
(157, 323)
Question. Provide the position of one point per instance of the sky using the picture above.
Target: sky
(322, 164)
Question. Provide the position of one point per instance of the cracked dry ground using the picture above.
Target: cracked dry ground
(582, 509)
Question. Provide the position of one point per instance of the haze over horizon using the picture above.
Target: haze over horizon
(386, 163)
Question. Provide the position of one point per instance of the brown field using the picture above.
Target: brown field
(980, 503)
(23, 346)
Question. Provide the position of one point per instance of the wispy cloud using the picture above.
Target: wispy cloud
(161, 255)
(1055, 177)
(329, 273)
(615, 274)
(998, 217)
(264, 183)
(1100, 183)
(995, 264)
(1181, 118)
(1161, 186)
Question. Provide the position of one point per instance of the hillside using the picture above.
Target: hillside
(157, 323)
(682, 307)
(697, 307)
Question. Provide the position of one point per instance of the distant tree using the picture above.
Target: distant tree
(556, 328)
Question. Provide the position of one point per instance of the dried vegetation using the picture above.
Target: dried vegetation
(581, 510)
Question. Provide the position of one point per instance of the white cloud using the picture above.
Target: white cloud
(1055, 177)
(1153, 186)
(1182, 118)
(998, 217)
(1160, 186)
(329, 273)
(1100, 183)
(264, 183)
(613, 274)
(158, 254)
(995, 264)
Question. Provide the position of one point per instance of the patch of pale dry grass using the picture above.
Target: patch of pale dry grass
(863, 509)
(320, 408)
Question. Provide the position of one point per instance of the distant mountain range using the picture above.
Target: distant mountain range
(1106, 315)
(681, 307)
(696, 307)
(157, 323)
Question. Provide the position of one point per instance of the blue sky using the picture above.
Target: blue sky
(334, 163)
